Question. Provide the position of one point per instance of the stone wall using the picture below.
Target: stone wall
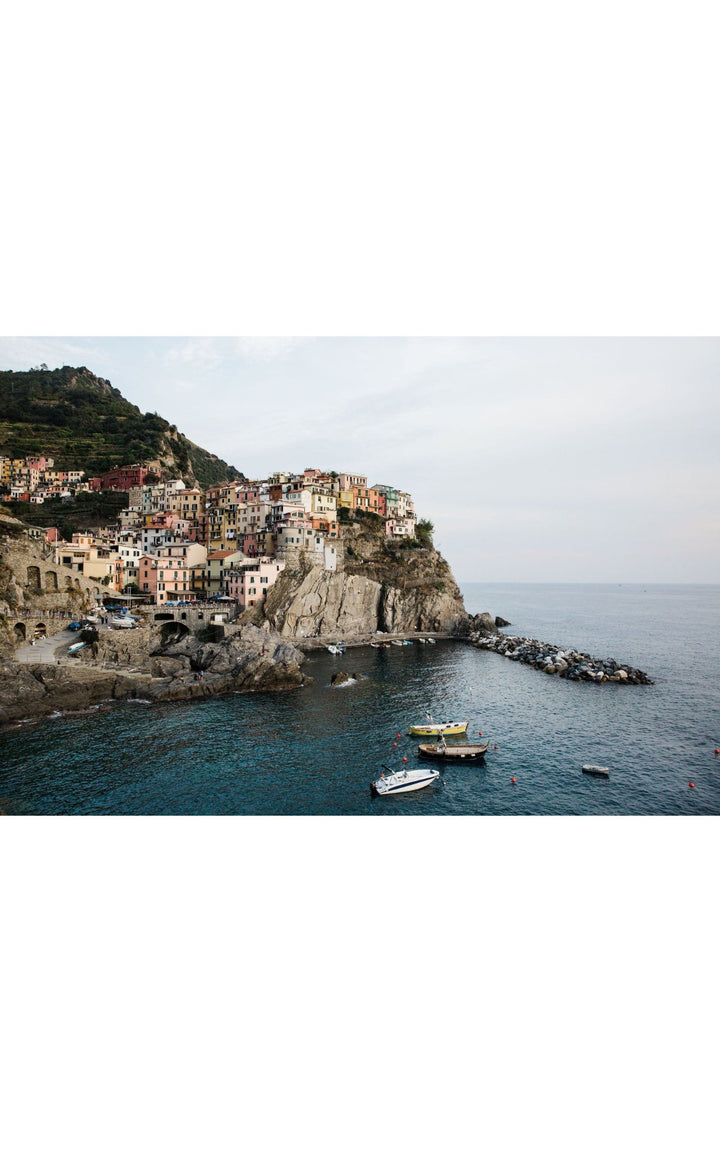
(34, 590)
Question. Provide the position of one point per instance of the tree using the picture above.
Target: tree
(423, 532)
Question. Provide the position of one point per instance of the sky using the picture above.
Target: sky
(536, 459)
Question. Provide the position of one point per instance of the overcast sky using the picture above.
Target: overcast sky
(536, 460)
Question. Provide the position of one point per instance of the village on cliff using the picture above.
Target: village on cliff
(233, 540)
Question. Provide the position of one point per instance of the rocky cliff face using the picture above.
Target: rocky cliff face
(378, 587)
(246, 657)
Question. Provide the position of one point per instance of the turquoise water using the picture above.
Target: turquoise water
(315, 750)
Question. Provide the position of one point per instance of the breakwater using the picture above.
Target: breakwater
(567, 663)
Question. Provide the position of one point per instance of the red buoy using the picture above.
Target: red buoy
(404, 759)
(513, 780)
(717, 751)
(479, 733)
(495, 747)
(691, 785)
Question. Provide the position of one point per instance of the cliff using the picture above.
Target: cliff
(379, 586)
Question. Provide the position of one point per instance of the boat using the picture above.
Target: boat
(397, 643)
(432, 728)
(407, 643)
(430, 640)
(595, 770)
(404, 780)
(122, 622)
(422, 640)
(443, 751)
(335, 649)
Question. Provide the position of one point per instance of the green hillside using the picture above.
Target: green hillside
(83, 422)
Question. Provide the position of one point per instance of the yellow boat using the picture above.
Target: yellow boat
(432, 728)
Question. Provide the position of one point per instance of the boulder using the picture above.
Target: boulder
(483, 622)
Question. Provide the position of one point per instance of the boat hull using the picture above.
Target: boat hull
(408, 780)
(453, 751)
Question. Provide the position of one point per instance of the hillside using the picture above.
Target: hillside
(88, 510)
(83, 422)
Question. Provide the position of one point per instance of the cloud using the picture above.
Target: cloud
(266, 348)
(23, 352)
(203, 354)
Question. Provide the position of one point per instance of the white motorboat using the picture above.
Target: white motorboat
(596, 770)
(404, 780)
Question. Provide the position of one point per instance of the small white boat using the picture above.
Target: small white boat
(123, 622)
(404, 780)
(430, 640)
(397, 643)
(595, 770)
(335, 649)
(422, 640)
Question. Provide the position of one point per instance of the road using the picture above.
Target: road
(45, 651)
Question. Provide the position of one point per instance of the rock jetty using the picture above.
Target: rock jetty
(567, 663)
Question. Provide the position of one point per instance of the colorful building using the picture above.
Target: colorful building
(249, 584)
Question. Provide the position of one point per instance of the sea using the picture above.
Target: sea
(315, 751)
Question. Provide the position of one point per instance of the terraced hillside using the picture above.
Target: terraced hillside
(83, 422)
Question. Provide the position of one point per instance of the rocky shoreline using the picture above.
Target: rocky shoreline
(566, 663)
(157, 664)
(140, 667)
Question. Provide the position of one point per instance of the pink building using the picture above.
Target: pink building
(175, 563)
(147, 574)
(249, 584)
